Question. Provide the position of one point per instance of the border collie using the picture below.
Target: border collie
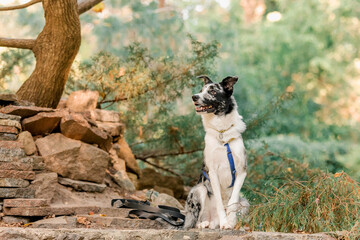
(215, 201)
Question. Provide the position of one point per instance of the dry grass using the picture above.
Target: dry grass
(293, 198)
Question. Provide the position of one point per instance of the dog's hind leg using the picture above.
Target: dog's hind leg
(194, 206)
(218, 200)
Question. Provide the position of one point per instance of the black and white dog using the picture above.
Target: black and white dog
(215, 201)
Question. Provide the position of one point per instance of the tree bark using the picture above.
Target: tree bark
(55, 49)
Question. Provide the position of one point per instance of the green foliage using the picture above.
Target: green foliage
(310, 52)
(157, 98)
(13, 63)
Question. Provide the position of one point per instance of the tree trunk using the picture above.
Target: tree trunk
(55, 49)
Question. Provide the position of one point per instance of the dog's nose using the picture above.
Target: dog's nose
(195, 97)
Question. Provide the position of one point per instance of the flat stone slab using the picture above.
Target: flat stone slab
(8, 129)
(56, 223)
(39, 211)
(42, 123)
(163, 234)
(27, 175)
(9, 116)
(17, 193)
(7, 98)
(13, 219)
(24, 111)
(122, 223)
(24, 202)
(10, 123)
(8, 137)
(82, 185)
(75, 126)
(13, 183)
(50, 210)
(11, 149)
(16, 165)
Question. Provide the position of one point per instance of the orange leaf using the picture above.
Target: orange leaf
(99, 7)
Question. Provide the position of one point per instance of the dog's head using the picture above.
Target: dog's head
(215, 97)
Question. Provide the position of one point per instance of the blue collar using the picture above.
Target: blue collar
(231, 163)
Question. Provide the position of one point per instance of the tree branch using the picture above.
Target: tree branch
(160, 167)
(17, 43)
(25, 5)
(154, 155)
(85, 5)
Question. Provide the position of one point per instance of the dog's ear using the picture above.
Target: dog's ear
(205, 78)
(228, 83)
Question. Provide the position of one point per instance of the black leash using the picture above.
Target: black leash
(143, 210)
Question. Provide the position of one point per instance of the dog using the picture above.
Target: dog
(215, 201)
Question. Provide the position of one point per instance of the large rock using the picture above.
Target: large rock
(42, 123)
(73, 159)
(25, 138)
(44, 185)
(150, 178)
(83, 100)
(117, 163)
(24, 111)
(113, 129)
(121, 178)
(75, 126)
(165, 199)
(124, 152)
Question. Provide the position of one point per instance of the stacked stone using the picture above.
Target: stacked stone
(76, 141)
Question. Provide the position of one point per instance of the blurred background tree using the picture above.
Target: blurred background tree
(299, 88)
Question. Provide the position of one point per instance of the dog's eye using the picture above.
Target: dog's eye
(212, 92)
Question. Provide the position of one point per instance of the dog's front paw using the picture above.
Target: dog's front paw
(214, 224)
(204, 224)
(224, 224)
(232, 219)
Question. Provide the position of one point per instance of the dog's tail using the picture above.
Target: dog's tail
(194, 204)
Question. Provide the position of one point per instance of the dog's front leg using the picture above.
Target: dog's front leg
(232, 206)
(215, 185)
